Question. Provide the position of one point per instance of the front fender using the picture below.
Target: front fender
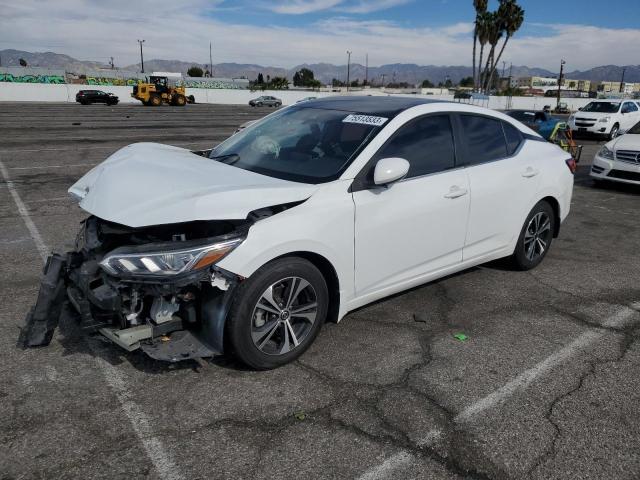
(322, 225)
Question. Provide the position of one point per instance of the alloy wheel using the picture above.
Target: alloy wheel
(537, 236)
(284, 315)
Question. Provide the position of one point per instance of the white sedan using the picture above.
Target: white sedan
(619, 160)
(316, 210)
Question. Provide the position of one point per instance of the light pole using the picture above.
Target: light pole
(141, 57)
(210, 62)
(562, 62)
(366, 70)
(621, 89)
(348, 68)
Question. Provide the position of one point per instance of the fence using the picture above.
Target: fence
(107, 78)
(31, 75)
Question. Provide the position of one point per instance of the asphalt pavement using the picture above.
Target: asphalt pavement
(546, 384)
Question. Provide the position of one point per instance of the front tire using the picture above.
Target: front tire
(277, 313)
(155, 100)
(535, 237)
(614, 131)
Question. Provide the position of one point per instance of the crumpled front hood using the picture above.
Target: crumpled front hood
(151, 184)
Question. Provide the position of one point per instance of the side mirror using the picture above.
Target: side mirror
(389, 170)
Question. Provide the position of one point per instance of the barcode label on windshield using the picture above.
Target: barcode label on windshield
(365, 120)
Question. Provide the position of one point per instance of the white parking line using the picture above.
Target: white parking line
(386, 468)
(619, 320)
(527, 377)
(141, 423)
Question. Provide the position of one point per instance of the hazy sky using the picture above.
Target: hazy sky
(289, 32)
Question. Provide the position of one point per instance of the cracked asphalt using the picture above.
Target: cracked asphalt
(546, 386)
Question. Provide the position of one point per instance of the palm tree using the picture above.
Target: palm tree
(493, 32)
(480, 7)
(512, 18)
(483, 25)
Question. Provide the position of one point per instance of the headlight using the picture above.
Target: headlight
(169, 262)
(606, 153)
(604, 120)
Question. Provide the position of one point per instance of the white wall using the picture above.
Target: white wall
(39, 92)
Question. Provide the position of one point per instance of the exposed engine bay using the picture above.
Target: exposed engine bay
(153, 288)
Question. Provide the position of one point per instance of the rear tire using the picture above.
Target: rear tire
(535, 237)
(277, 313)
(180, 100)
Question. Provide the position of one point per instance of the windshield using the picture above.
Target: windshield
(635, 130)
(308, 145)
(602, 107)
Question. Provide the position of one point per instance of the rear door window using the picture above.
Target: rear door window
(483, 138)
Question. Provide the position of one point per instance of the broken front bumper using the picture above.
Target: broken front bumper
(170, 320)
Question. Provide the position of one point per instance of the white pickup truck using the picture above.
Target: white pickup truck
(606, 117)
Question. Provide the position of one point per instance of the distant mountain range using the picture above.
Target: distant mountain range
(325, 72)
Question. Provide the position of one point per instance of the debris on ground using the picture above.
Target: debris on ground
(419, 318)
(300, 415)
(460, 336)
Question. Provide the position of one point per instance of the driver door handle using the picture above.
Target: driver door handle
(455, 192)
(530, 172)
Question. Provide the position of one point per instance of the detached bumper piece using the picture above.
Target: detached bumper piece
(43, 318)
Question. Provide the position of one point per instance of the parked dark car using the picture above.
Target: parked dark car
(87, 97)
(266, 101)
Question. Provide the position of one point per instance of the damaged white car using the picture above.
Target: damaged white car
(312, 212)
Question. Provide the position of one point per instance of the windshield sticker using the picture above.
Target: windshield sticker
(365, 120)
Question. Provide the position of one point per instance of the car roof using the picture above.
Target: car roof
(369, 105)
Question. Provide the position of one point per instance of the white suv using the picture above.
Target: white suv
(605, 117)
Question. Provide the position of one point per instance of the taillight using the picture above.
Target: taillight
(571, 163)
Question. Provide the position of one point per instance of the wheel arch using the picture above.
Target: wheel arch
(555, 205)
(330, 275)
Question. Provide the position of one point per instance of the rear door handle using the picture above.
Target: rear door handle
(455, 192)
(530, 172)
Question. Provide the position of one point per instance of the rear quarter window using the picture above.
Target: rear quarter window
(513, 137)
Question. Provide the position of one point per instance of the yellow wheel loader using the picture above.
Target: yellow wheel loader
(159, 90)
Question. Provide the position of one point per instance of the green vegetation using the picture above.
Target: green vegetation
(195, 71)
(489, 29)
(304, 78)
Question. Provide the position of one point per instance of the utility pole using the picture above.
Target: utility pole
(383, 77)
(348, 68)
(210, 62)
(624, 69)
(562, 62)
(111, 63)
(366, 70)
(141, 57)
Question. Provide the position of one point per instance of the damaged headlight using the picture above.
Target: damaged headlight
(166, 262)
